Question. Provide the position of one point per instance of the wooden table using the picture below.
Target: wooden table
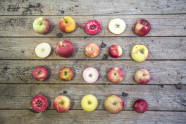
(165, 93)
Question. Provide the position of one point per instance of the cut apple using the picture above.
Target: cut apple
(117, 26)
(43, 50)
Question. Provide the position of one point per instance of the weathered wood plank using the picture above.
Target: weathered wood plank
(91, 7)
(98, 117)
(162, 72)
(159, 47)
(163, 98)
(162, 25)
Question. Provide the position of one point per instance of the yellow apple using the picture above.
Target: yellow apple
(67, 24)
(89, 103)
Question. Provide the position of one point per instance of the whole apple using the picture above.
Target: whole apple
(89, 103)
(92, 50)
(61, 104)
(114, 104)
(115, 75)
(41, 25)
(39, 103)
(142, 27)
(65, 49)
(92, 27)
(140, 106)
(66, 74)
(115, 51)
(142, 76)
(90, 75)
(40, 73)
(67, 24)
(139, 53)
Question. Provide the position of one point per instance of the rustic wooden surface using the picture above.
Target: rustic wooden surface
(165, 93)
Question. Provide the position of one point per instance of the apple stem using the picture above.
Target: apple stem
(65, 20)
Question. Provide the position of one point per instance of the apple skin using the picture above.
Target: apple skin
(65, 49)
(41, 25)
(92, 27)
(65, 74)
(115, 51)
(142, 27)
(40, 73)
(140, 106)
(61, 104)
(115, 75)
(89, 103)
(139, 53)
(92, 50)
(39, 103)
(142, 76)
(114, 104)
(67, 24)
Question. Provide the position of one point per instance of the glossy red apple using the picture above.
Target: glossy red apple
(40, 73)
(39, 103)
(66, 74)
(61, 104)
(65, 49)
(142, 76)
(142, 27)
(92, 50)
(115, 51)
(92, 27)
(115, 75)
(140, 106)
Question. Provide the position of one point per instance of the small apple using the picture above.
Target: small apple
(39, 103)
(140, 106)
(92, 50)
(43, 50)
(142, 27)
(116, 26)
(142, 76)
(65, 49)
(61, 104)
(139, 53)
(114, 104)
(92, 27)
(115, 75)
(90, 75)
(115, 51)
(40, 73)
(66, 74)
(41, 25)
(67, 24)
(89, 103)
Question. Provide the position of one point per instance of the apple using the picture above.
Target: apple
(43, 50)
(142, 76)
(90, 75)
(41, 25)
(89, 103)
(66, 74)
(115, 75)
(65, 49)
(139, 53)
(39, 103)
(92, 50)
(40, 73)
(140, 106)
(114, 104)
(92, 27)
(115, 51)
(61, 104)
(67, 24)
(116, 26)
(142, 27)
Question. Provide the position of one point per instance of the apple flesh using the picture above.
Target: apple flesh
(67, 24)
(142, 27)
(89, 103)
(65, 49)
(114, 104)
(43, 50)
(41, 25)
(40, 73)
(140, 106)
(61, 104)
(115, 51)
(90, 75)
(92, 27)
(142, 76)
(66, 74)
(92, 50)
(115, 75)
(39, 103)
(117, 26)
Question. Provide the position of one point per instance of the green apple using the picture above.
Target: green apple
(89, 103)
(41, 25)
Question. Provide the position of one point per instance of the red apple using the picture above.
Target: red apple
(92, 50)
(115, 51)
(65, 49)
(92, 27)
(140, 106)
(115, 75)
(61, 104)
(142, 27)
(66, 74)
(41, 25)
(40, 73)
(39, 103)
(114, 104)
(142, 76)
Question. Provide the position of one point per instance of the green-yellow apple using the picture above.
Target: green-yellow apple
(67, 24)
(92, 50)
(89, 103)
(41, 25)
(61, 104)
